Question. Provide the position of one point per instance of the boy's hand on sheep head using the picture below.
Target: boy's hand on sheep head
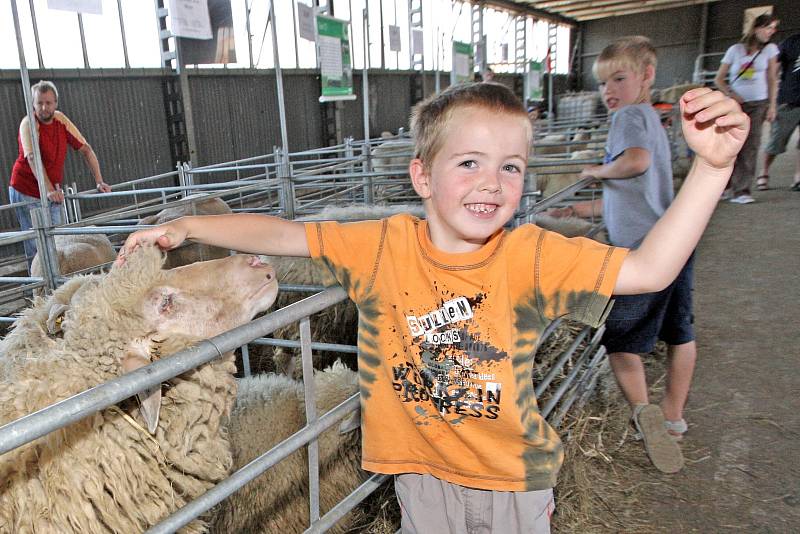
(714, 126)
(166, 236)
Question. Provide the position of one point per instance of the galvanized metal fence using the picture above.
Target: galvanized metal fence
(287, 185)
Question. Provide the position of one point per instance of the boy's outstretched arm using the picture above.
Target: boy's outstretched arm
(715, 128)
(245, 232)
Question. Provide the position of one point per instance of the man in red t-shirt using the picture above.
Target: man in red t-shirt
(55, 132)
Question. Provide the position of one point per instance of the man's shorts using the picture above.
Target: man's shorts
(637, 322)
(786, 120)
(428, 504)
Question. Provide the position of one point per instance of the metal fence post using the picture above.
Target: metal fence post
(69, 203)
(46, 248)
(285, 179)
(182, 178)
(366, 167)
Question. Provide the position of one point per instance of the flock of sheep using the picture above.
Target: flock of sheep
(129, 466)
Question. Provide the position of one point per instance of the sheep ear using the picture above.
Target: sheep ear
(351, 422)
(149, 399)
(54, 318)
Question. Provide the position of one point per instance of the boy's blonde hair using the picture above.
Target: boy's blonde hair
(429, 118)
(634, 52)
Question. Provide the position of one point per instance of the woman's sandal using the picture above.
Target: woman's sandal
(762, 182)
(661, 448)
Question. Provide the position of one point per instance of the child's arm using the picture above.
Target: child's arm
(633, 162)
(245, 232)
(715, 128)
(772, 88)
(586, 210)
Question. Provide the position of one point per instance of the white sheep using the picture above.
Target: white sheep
(128, 466)
(78, 252)
(561, 173)
(391, 157)
(191, 253)
(277, 501)
(550, 144)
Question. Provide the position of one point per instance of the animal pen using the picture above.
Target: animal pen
(291, 185)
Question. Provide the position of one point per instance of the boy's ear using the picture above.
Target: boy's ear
(650, 74)
(420, 178)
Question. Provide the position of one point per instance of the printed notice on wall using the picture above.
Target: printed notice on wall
(336, 70)
(89, 7)
(416, 41)
(463, 63)
(305, 22)
(189, 18)
(534, 80)
(221, 48)
(394, 38)
(330, 56)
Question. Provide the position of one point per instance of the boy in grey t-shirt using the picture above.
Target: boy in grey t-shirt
(637, 189)
(632, 205)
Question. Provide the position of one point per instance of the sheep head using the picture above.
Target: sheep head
(141, 312)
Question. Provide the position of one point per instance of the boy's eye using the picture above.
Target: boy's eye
(510, 167)
(468, 164)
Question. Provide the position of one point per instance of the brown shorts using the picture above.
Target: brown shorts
(432, 506)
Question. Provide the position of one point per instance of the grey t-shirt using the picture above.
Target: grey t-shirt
(632, 206)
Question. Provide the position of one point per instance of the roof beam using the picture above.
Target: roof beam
(587, 5)
(560, 3)
(615, 6)
(619, 10)
(528, 9)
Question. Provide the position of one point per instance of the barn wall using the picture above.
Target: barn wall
(122, 114)
(676, 35)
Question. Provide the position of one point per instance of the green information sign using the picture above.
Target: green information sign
(336, 70)
(463, 63)
(534, 80)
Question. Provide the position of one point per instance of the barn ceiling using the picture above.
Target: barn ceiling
(583, 10)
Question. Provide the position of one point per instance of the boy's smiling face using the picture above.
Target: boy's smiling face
(474, 183)
(624, 87)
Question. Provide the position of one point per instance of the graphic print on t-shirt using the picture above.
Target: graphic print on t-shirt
(454, 379)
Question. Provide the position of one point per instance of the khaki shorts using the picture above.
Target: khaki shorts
(432, 506)
(786, 120)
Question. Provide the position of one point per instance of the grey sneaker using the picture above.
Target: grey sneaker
(743, 199)
(661, 448)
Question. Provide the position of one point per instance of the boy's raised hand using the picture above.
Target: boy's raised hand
(166, 236)
(714, 126)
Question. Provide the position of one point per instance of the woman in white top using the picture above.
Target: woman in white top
(751, 65)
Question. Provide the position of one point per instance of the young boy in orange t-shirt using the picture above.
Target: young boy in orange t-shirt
(452, 306)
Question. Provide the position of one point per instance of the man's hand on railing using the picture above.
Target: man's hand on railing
(56, 195)
(103, 187)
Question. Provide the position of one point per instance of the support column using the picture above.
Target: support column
(177, 94)
(416, 61)
(478, 37)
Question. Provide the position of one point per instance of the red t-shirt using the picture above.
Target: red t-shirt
(53, 140)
